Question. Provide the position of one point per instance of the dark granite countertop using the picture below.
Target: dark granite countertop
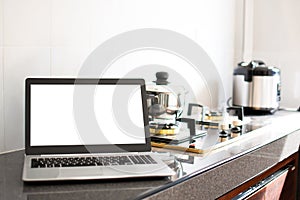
(215, 172)
(223, 178)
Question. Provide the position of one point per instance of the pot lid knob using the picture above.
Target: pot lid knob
(161, 78)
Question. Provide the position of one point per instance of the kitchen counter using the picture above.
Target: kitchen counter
(198, 176)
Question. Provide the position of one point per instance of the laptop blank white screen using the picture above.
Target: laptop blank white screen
(53, 121)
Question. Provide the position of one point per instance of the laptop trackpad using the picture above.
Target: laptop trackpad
(80, 172)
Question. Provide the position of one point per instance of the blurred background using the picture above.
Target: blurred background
(54, 37)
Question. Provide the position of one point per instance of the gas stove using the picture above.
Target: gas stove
(218, 137)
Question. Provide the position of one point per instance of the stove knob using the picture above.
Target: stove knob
(235, 132)
(224, 127)
(223, 136)
(237, 123)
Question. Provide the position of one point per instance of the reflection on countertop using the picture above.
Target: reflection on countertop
(259, 131)
(251, 147)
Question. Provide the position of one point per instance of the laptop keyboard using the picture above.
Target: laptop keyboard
(91, 161)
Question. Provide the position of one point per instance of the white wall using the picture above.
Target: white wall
(53, 37)
(1, 80)
(276, 40)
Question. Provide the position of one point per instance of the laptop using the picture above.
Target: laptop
(82, 129)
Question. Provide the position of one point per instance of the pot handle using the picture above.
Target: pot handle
(190, 107)
(191, 123)
(238, 110)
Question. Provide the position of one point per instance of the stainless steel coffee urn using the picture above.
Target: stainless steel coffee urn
(256, 87)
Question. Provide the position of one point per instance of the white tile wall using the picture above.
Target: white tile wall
(202, 21)
(1, 23)
(1, 80)
(54, 37)
(20, 62)
(68, 60)
(2, 147)
(276, 39)
(104, 20)
(114, 17)
(71, 23)
(27, 22)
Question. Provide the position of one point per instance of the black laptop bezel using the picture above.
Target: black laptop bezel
(78, 149)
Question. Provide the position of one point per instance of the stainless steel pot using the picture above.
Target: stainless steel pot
(161, 100)
(256, 87)
(164, 98)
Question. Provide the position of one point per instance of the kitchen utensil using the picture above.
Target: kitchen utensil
(256, 87)
(165, 101)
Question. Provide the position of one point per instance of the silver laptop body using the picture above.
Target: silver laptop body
(81, 129)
